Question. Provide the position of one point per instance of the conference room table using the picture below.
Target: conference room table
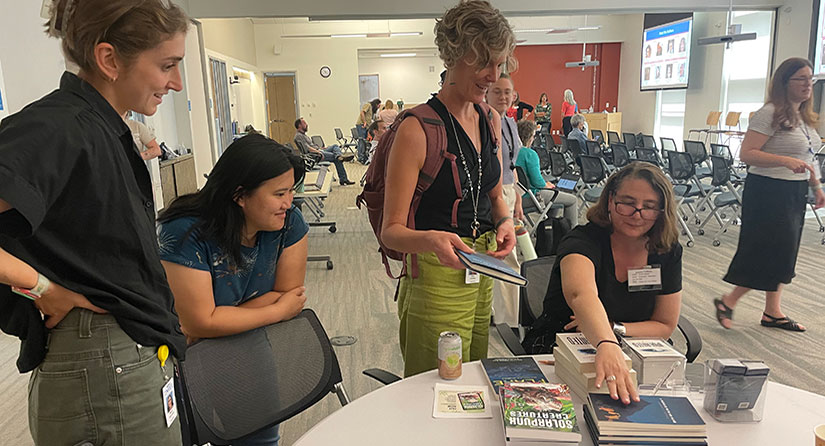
(401, 414)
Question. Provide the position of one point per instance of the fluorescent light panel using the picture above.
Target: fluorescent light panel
(343, 36)
(241, 70)
(403, 34)
(399, 55)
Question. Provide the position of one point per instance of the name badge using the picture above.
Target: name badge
(170, 404)
(648, 278)
(471, 277)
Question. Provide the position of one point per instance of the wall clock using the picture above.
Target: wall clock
(325, 72)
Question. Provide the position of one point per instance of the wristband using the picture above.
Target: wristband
(816, 186)
(609, 341)
(501, 222)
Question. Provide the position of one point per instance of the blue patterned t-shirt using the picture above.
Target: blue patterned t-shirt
(230, 286)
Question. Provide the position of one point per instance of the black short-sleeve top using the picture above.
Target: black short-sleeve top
(435, 208)
(621, 305)
(83, 216)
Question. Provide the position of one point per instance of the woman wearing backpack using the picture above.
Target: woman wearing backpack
(441, 296)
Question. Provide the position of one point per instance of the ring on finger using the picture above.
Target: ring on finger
(610, 378)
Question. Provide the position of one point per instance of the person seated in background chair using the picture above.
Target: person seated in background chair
(578, 122)
(235, 252)
(592, 285)
(332, 153)
(528, 160)
(374, 133)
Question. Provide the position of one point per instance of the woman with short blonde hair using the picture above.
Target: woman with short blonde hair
(388, 114)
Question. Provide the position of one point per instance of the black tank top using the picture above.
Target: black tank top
(435, 209)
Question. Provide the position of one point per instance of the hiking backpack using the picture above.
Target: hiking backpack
(374, 180)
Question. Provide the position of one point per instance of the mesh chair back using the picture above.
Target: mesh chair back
(681, 166)
(354, 132)
(648, 141)
(629, 139)
(302, 147)
(339, 135)
(575, 148)
(593, 148)
(592, 169)
(721, 150)
(720, 170)
(597, 135)
(558, 165)
(668, 144)
(524, 185)
(613, 137)
(697, 151)
(647, 154)
(544, 158)
(820, 161)
(318, 141)
(236, 385)
(564, 146)
(621, 157)
(537, 272)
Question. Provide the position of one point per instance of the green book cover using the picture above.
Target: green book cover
(539, 411)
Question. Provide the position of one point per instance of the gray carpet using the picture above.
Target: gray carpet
(355, 298)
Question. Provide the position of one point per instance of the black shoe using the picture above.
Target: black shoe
(347, 183)
(346, 158)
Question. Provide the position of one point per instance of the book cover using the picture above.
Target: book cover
(535, 411)
(452, 401)
(651, 348)
(634, 440)
(516, 369)
(580, 351)
(583, 379)
(490, 266)
(653, 413)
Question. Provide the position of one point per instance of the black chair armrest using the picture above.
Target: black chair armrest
(692, 338)
(382, 376)
(510, 339)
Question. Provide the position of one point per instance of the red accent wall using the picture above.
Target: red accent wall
(541, 69)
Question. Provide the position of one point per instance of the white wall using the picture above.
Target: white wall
(637, 107)
(32, 62)
(233, 37)
(410, 79)
(704, 94)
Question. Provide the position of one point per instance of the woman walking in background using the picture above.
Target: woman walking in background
(568, 109)
(779, 147)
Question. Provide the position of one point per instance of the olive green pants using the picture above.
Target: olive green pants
(439, 300)
(98, 387)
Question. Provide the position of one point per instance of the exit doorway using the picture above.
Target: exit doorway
(281, 105)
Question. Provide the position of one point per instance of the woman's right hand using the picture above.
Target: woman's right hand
(610, 364)
(797, 165)
(58, 301)
(291, 302)
(444, 244)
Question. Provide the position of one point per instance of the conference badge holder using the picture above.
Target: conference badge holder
(647, 278)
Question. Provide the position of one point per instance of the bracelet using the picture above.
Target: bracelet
(501, 222)
(609, 341)
(42, 285)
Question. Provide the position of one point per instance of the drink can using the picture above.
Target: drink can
(449, 355)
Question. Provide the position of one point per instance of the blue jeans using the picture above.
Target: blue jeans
(331, 154)
(263, 437)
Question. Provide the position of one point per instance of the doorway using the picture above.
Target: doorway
(281, 105)
(368, 87)
(220, 104)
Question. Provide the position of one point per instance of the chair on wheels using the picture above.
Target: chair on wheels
(235, 385)
(531, 301)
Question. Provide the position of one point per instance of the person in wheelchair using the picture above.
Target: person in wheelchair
(235, 252)
(620, 274)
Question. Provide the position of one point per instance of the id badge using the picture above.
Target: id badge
(170, 404)
(471, 277)
(648, 278)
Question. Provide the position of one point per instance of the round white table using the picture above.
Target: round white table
(401, 414)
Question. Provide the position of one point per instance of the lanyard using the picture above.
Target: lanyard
(475, 225)
(807, 133)
(508, 139)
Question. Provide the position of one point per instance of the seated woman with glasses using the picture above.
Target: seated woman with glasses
(620, 274)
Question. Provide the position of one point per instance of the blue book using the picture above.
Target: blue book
(521, 369)
(491, 267)
(653, 414)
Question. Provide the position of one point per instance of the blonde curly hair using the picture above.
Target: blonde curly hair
(474, 27)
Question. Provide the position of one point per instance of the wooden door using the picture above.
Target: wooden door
(281, 107)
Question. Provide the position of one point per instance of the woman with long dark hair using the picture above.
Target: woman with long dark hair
(235, 252)
(779, 147)
(543, 111)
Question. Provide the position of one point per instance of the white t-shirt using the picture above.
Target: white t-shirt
(141, 134)
(799, 142)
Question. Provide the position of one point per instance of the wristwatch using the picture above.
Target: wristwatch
(619, 329)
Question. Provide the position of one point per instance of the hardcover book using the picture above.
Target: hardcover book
(515, 369)
(491, 267)
(539, 411)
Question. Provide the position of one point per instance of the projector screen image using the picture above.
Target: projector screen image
(666, 55)
(819, 45)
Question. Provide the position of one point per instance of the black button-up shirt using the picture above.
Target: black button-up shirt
(83, 216)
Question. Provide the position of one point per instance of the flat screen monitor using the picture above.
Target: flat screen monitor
(666, 55)
(819, 42)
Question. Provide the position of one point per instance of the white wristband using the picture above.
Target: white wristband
(42, 285)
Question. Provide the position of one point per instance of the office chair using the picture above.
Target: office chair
(649, 155)
(730, 199)
(318, 141)
(613, 137)
(544, 158)
(681, 170)
(621, 156)
(235, 385)
(342, 141)
(558, 164)
(594, 171)
(668, 144)
(597, 136)
(649, 141)
(530, 202)
(629, 140)
(593, 148)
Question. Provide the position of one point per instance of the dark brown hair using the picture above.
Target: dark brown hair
(664, 233)
(784, 116)
(130, 26)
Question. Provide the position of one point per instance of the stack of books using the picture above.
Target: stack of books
(655, 359)
(521, 369)
(538, 414)
(576, 364)
(655, 420)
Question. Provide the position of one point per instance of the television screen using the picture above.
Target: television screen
(666, 55)
(819, 42)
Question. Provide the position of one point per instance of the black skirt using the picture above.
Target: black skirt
(773, 214)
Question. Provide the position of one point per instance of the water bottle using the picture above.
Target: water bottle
(524, 242)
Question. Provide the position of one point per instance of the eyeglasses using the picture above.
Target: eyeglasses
(803, 79)
(627, 210)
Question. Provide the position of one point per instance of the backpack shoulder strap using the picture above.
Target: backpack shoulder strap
(488, 112)
(436, 134)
